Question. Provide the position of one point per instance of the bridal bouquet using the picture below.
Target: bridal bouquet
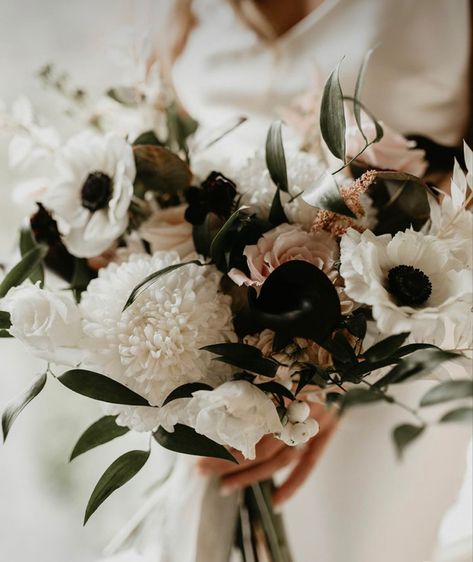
(209, 310)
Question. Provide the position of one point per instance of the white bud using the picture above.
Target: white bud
(298, 411)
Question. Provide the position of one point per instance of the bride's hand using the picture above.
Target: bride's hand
(271, 456)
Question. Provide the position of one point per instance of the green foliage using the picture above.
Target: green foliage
(28, 243)
(153, 277)
(23, 269)
(99, 433)
(186, 440)
(385, 348)
(117, 474)
(332, 115)
(463, 415)
(404, 435)
(449, 390)
(326, 195)
(244, 357)
(16, 406)
(218, 245)
(275, 157)
(99, 387)
(186, 391)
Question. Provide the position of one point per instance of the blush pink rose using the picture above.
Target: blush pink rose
(282, 244)
(392, 152)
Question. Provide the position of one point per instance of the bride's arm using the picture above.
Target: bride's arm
(271, 456)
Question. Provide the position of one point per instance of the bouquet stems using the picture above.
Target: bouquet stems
(262, 532)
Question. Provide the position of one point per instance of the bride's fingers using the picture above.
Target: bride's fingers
(258, 472)
(304, 467)
(265, 449)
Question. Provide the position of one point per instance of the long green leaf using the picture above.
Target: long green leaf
(464, 415)
(358, 397)
(404, 435)
(277, 214)
(358, 88)
(385, 348)
(186, 391)
(27, 243)
(449, 390)
(332, 115)
(23, 269)
(186, 440)
(117, 474)
(153, 277)
(13, 410)
(99, 387)
(275, 157)
(417, 364)
(99, 433)
(217, 247)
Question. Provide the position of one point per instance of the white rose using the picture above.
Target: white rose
(235, 414)
(45, 321)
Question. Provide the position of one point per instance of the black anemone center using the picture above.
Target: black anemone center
(96, 191)
(410, 286)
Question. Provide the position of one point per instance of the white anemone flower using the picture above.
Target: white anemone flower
(92, 193)
(412, 281)
(155, 344)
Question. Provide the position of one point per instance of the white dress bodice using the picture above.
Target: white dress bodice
(416, 83)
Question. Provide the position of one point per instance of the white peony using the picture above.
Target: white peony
(47, 322)
(154, 345)
(412, 281)
(236, 414)
(92, 193)
(257, 189)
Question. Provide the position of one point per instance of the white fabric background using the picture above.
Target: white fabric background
(42, 499)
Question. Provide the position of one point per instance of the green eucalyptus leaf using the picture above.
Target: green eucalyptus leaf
(463, 415)
(5, 322)
(276, 388)
(275, 157)
(217, 247)
(28, 243)
(277, 214)
(99, 387)
(417, 364)
(117, 474)
(23, 269)
(102, 431)
(5, 334)
(257, 365)
(186, 440)
(186, 391)
(14, 408)
(359, 396)
(449, 390)
(234, 350)
(358, 88)
(404, 435)
(332, 115)
(180, 127)
(326, 195)
(385, 348)
(153, 277)
(341, 350)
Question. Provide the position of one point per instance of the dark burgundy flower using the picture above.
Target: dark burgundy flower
(215, 195)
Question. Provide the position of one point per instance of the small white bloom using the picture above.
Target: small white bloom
(91, 196)
(298, 411)
(412, 281)
(257, 189)
(154, 345)
(47, 322)
(236, 414)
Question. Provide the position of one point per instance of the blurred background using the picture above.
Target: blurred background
(42, 497)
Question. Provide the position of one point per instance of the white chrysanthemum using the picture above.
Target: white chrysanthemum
(153, 346)
(91, 196)
(257, 189)
(411, 281)
(450, 220)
